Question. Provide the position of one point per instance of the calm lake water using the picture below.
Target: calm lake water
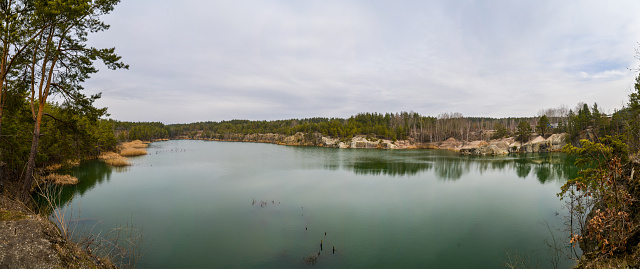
(244, 205)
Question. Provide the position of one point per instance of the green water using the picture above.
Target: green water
(244, 205)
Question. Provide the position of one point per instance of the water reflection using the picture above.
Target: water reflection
(547, 167)
(93, 173)
(450, 168)
(381, 208)
(90, 175)
(543, 172)
(523, 168)
(380, 166)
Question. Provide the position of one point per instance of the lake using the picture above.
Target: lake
(205, 204)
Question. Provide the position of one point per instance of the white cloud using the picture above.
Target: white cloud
(216, 60)
(609, 74)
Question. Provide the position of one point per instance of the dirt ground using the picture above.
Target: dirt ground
(28, 240)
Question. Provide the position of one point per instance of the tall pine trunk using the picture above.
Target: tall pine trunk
(31, 164)
(3, 75)
(1, 162)
(1, 148)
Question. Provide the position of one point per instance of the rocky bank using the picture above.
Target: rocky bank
(492, 147)
(508, 145)
(28, 240)
(302, 139)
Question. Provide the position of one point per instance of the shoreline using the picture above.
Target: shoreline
(29, 240)
(117, 158)
(503, 146)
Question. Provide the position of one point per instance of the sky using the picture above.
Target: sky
(214, 60)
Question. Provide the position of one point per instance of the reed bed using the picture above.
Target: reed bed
(118, 162)
(56, 166)
(127, 149)
(129, 152)
(133, 148)
(135, 144)
(114, 159)
(61, 179)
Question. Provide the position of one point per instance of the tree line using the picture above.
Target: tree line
(45, 57)
(586, 121)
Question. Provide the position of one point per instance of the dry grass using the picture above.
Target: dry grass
(119, 246)
(628, 259)
(108, 155)
(133, 148)
(61, 179)
(118, 162)
(623, 261)
(135, 144)
(114, 159)
(75, 162)
(53, 167)
(129, 152)
(127, 149)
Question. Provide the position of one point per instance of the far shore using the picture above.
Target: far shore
(553, 143)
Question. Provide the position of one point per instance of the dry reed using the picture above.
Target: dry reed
(134, 144)
(53, 167)
(133, 148)
(114, 159)
(56, 166)
(129, 152)
(118, 162)
(121, 245)
(127, 149)
(61, 179)
(74, 162)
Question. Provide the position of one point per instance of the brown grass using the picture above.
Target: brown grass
(127, 149)
(61, 179)
(114, 159)
(135, 144)
(133, 148)
(56, 166)
(118, 162)
(53, 167)
(75, 162)
(626, 260)
(83, 248)
(129, 152)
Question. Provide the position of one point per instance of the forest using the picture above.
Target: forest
(47, 119)
(581, 121)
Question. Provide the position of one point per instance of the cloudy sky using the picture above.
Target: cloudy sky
(203, 60)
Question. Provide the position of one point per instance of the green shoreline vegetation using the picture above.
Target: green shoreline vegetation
(36, 133)
(584, 120)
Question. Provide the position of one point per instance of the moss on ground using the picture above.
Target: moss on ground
(11, 215)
